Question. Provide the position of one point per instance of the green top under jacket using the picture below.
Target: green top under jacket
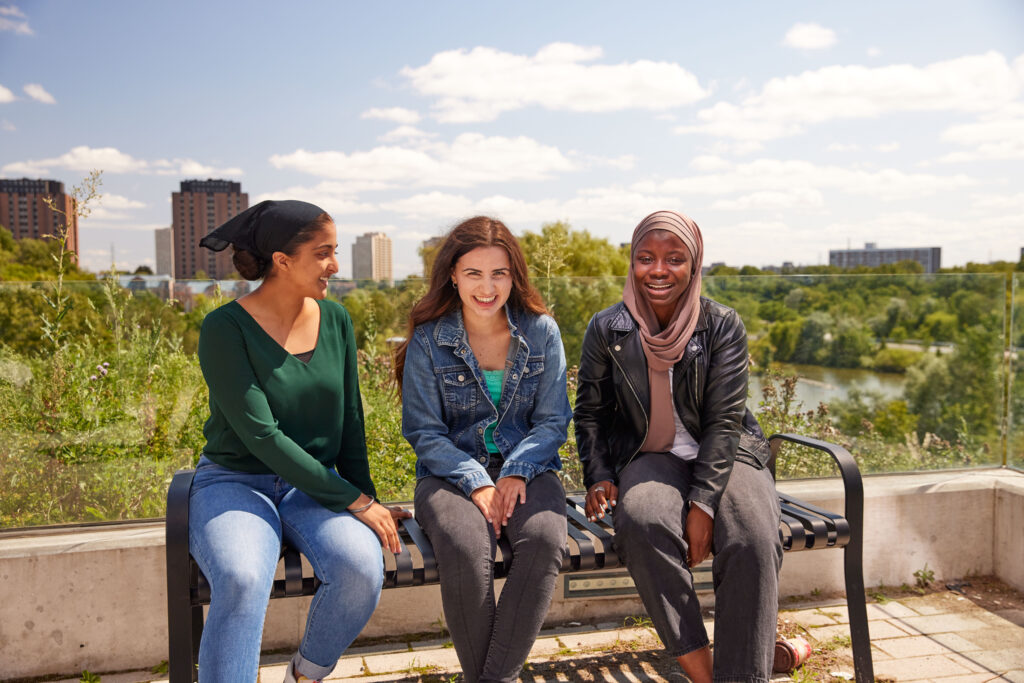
(272, 413)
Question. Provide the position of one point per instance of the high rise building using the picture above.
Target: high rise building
(871, 256)
(371, 257)
(164, 239)
(24, 212)
(199, 207)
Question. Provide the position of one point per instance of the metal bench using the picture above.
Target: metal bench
(590, 547)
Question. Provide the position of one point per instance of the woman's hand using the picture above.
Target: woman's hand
(380, 519)
(698, 533)
(488, 499)
(512, 490)
(604, 495)
(398, 512)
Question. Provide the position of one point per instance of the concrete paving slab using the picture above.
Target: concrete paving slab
(945, 623)
(826, 633)
(545, 647)
(914, 668)
(894, 609)
(910, 646)
(596, 639)
(1007, 637)
(809, 618)
(955, 642)
(348, 667)
(411, 661)
(1001, 660)
(887, 629)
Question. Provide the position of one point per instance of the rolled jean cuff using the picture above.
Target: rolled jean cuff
(680, 650)
(310, 670)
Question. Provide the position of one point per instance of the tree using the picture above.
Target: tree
(143, 270)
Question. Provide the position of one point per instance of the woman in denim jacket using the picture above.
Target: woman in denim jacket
(484, 406)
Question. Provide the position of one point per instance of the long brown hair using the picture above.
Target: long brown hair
(441, 299)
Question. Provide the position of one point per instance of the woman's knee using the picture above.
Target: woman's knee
(243, 586)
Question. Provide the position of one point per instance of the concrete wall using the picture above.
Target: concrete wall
(94, 598)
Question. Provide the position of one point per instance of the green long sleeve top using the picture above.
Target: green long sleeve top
(272, 413)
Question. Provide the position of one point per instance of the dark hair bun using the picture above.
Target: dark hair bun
(249, 265)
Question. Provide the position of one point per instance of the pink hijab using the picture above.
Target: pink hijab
(665, 347)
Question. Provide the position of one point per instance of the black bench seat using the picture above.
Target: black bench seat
(590, 547)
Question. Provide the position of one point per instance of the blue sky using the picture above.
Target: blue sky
(784, 129)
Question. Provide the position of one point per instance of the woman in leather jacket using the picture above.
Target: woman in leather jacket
(666, 441)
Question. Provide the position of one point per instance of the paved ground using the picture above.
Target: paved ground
(943, 637)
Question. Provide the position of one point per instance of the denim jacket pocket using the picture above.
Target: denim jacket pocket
(460, 387)
(530, 381)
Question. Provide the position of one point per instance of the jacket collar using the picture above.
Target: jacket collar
(451, 330)
(622, 320)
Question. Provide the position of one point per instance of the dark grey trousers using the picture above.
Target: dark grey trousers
(649, 523)
(493, 640)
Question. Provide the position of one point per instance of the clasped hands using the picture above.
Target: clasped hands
(497, 502)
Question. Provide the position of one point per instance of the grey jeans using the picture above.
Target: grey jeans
(649, 524)
(493, 640)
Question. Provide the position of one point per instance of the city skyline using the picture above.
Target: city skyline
(785, 131)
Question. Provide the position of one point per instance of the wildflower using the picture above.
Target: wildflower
(106, 364)
(93, 378)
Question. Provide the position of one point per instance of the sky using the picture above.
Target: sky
(783, 129)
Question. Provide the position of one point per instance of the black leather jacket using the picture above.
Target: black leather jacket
(709, 384)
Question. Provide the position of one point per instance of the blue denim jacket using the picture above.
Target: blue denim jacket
(446, 406)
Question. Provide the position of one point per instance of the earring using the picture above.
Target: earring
(455, 285)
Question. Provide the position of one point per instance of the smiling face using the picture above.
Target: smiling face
(483, 278)
(312, 264)
(662, 268)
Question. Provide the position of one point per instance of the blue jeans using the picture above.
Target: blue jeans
(236, 523)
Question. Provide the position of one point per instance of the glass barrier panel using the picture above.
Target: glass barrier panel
(101, 403)
(1015, 361)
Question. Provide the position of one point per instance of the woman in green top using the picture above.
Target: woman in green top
(285, 454)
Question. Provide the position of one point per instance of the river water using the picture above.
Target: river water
(817, 384)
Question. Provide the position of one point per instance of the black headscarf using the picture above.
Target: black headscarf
(263, 228)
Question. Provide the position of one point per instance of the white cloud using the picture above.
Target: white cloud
(112, 160)
(999, 135)
(998, 201)
(113, 207)
(7, 126)
(797, 198)
(874, 51)
(482, 83)
(6, 95)
(14, 25)
(709, 162)
(39, 94)
(842, 147)
(605, 204)
(888, 147)
(976, 83)
(809, 37)
(469, 160)
(396, 114)
(406, 133)
(767, 175)
(335, 198)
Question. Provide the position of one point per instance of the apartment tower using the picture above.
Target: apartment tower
(164, 243)
(198, 208)
(24, 212)
(371, 258)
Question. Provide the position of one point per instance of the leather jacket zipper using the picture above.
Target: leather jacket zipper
(647, 423)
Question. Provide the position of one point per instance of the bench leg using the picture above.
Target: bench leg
(856, 606)
(185, 628)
